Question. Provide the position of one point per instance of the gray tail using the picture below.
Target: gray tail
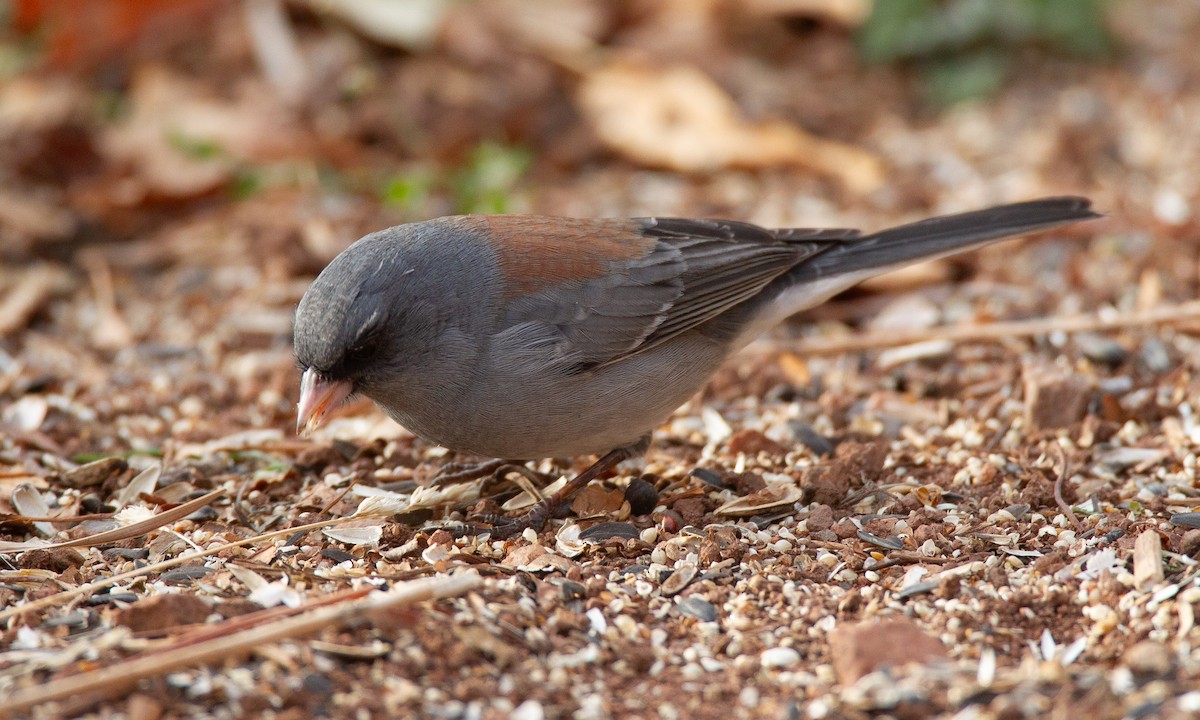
(941, 236)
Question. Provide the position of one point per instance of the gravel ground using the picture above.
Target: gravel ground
(1001, 526)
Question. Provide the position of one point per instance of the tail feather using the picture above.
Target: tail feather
(845, 261)
(941, 236)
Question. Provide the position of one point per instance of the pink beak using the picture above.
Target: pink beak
(319, 396)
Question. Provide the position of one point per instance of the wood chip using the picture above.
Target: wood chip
(32, 290)
(1147, 559)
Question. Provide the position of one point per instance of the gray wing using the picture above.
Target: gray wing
(693, 272)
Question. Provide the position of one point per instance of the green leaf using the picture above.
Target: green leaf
(1074, 26)
(487, 183)
(246, 182)
(896, 30)
(409, 191)
(968, 41)
(195, 148)
(965, 77)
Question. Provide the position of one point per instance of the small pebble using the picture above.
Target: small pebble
(698, 608)
(337, 555)
(779, 657)
(571, 590)
(813, 440)
(749, 697)
(528, 710)
(711, 664)
(642, 497)
(127, 553)
(1171, 206)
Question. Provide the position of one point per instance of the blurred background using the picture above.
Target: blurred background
(174, 172)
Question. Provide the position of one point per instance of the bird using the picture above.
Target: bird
(523, 337)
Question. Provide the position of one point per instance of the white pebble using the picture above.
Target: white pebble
(748, 697)
(1171, 207)
(779, 657)
(528, 710)
(711, 664)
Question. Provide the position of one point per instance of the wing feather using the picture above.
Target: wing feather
(695, 271)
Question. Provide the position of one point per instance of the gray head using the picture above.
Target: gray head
(378, 315)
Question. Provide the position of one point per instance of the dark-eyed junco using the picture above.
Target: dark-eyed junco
(525, 337)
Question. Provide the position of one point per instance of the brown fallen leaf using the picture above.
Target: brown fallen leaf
(773, 496)
(179, 141)
(412, 25)
(28, 217)
(158, 613)
(847, 13)
(596, 500)
(29, 293)
(678, 118)
(861, 648)
(83, 33)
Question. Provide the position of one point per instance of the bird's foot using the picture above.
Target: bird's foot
(459, 473)
(505, 527)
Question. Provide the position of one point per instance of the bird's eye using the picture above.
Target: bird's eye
(363, 348)
(360, 351)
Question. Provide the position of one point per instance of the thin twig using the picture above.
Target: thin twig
(112, 679)
(1167, 315)
(63, 598)
(125, 532)
(910, 558)
(258, 618)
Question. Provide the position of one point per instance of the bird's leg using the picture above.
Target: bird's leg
(460, 474)
(534, 480)
(539, 513)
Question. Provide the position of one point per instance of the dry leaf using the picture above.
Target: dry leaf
(596, 500)
(567, 542)
(847, 13)
(412, 24)
(678, 118)
(365, 535)
(181, 141)
(34, 286)
(774, 495)
(143, 484)
(247, 440)
(27, 414)
(526, 499)
(28, 501)
(264, 593)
